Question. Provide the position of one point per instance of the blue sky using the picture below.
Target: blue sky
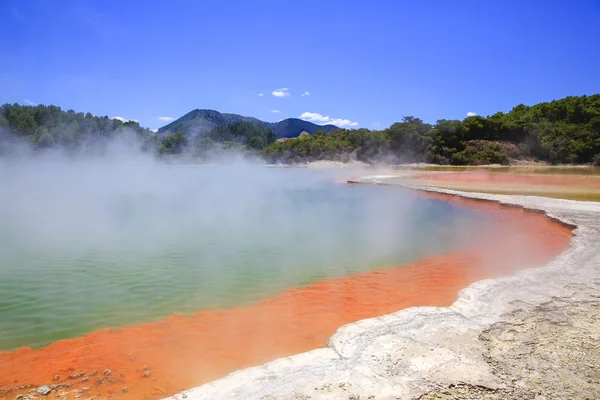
(364, 63)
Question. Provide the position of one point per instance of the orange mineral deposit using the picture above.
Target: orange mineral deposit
(154, 360)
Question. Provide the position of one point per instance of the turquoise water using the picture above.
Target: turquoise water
(91, 245)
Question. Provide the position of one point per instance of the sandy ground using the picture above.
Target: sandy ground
(575, 185)
(532, 336)
(551, 351)
(157, 359)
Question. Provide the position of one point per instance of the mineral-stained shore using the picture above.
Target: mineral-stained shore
(156, 359)
(534, 335)
(574, 187)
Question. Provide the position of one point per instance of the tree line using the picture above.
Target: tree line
(564, 131)
(239, 136)
(46, 127)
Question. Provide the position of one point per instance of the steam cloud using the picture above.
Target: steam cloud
(110, 225)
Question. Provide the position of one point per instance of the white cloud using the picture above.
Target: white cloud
(275, 111)
(471, 114)
(261, 94)
(316, 117)
(342, 122)
(30, 103)
(305, 94)
(124, 119)
(376, 124)
(154, 130)
(166, 118)
(283, 92)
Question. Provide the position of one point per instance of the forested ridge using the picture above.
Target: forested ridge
(240, 136)
(45, 127)
(198, 122)
(565, 131)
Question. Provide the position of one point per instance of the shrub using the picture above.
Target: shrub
(481, 152)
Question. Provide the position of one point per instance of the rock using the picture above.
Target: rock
(43, 390)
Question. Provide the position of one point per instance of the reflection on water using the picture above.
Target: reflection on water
(86, 246)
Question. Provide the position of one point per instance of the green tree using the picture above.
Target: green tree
(67, 129)
(203, 146)
(408, 138)
(174, 143)
(256, 143)
(45, 140)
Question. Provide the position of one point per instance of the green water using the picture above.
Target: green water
(85, 246)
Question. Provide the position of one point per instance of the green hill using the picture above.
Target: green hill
(198, 122)
(293, 127)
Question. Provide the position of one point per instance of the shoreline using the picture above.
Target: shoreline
(452, 352)
(130, 374)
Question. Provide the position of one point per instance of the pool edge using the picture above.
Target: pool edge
(439, 344)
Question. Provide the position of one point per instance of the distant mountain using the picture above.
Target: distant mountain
(293, 127)
(197, 122)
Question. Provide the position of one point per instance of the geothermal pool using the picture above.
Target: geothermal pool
(90, 246)
(138, 280)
